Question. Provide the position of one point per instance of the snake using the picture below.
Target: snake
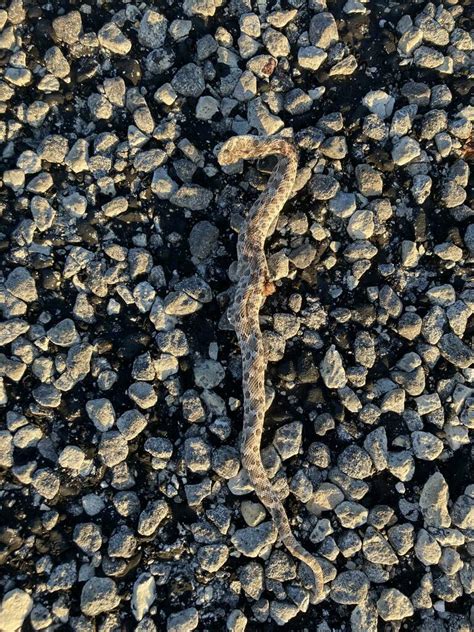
(252, 288)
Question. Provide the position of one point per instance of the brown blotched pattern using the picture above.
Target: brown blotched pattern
(252, 288)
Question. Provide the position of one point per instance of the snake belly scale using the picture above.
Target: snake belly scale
(253, 287)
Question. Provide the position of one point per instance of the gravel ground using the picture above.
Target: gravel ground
(124, 503)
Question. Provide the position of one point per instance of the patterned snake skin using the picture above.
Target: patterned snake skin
(252, 289)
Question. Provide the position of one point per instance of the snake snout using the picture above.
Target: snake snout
(225, 158)
(231, 150)
(227, 153)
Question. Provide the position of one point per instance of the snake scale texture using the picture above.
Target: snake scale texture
(253, 287)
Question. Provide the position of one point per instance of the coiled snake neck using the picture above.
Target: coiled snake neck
(253, 287)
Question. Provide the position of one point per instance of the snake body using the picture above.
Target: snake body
(253, 287)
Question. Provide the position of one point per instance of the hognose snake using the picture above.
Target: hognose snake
(253, 287)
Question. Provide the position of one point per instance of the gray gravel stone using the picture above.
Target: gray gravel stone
(401, 537)
(427, 57)
(463, 512)
(452, 194)
(401, 464)
(192, 196)
(469, 238)
(426, 446)
(47, 395)
(252, 577)
(288, 438)
(63, 577)
(375, 128)
(453, 349)
(394, 605)
(127, 504)
(409, 41)
(319, 454)
(15, 607)
(46, 483)
(173, 342)
(252, 513)
(113, 448)
(376, 445)
(276, 43)
(22, 285)
(355, 462)
(326, 497)
(101, 413)
(311, 57)
(350, 587)
(349, 543)
(427, 549)
(183, 621)
(442, 295)
(203, 239)
(208, 373)
(115, 207)
(64, 334)
(280, 567)
(197, 455)
(88, 537)
(152, 30)
(236, 621)
(206, 108)
(405, 150)
(6, 449)
(189, 81)
(151, 517)
(380, 516)
(450, 562)
(204, 8)
(332, 369)
(428, 403)
(282, 611)
(260, 118)
(143, 394)
(376, 548)
(351, 514)
(113, 40)
(57, 65)
(447, 588)
(131, 423)
(323, 30)
(161, 450)
(122, 543)
(343, 204)
(379, 102)
(297, 102)
(99, 595)
(369, 180)
(143, 595)
(250, 541)
(323, 187)
(409, 324)
(212, 557)
(10, 330)
(67, 28)
(361, 225)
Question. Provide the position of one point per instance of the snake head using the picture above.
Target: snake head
(227, 152)
(234, 149)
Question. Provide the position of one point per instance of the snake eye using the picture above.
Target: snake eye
(224, 156)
